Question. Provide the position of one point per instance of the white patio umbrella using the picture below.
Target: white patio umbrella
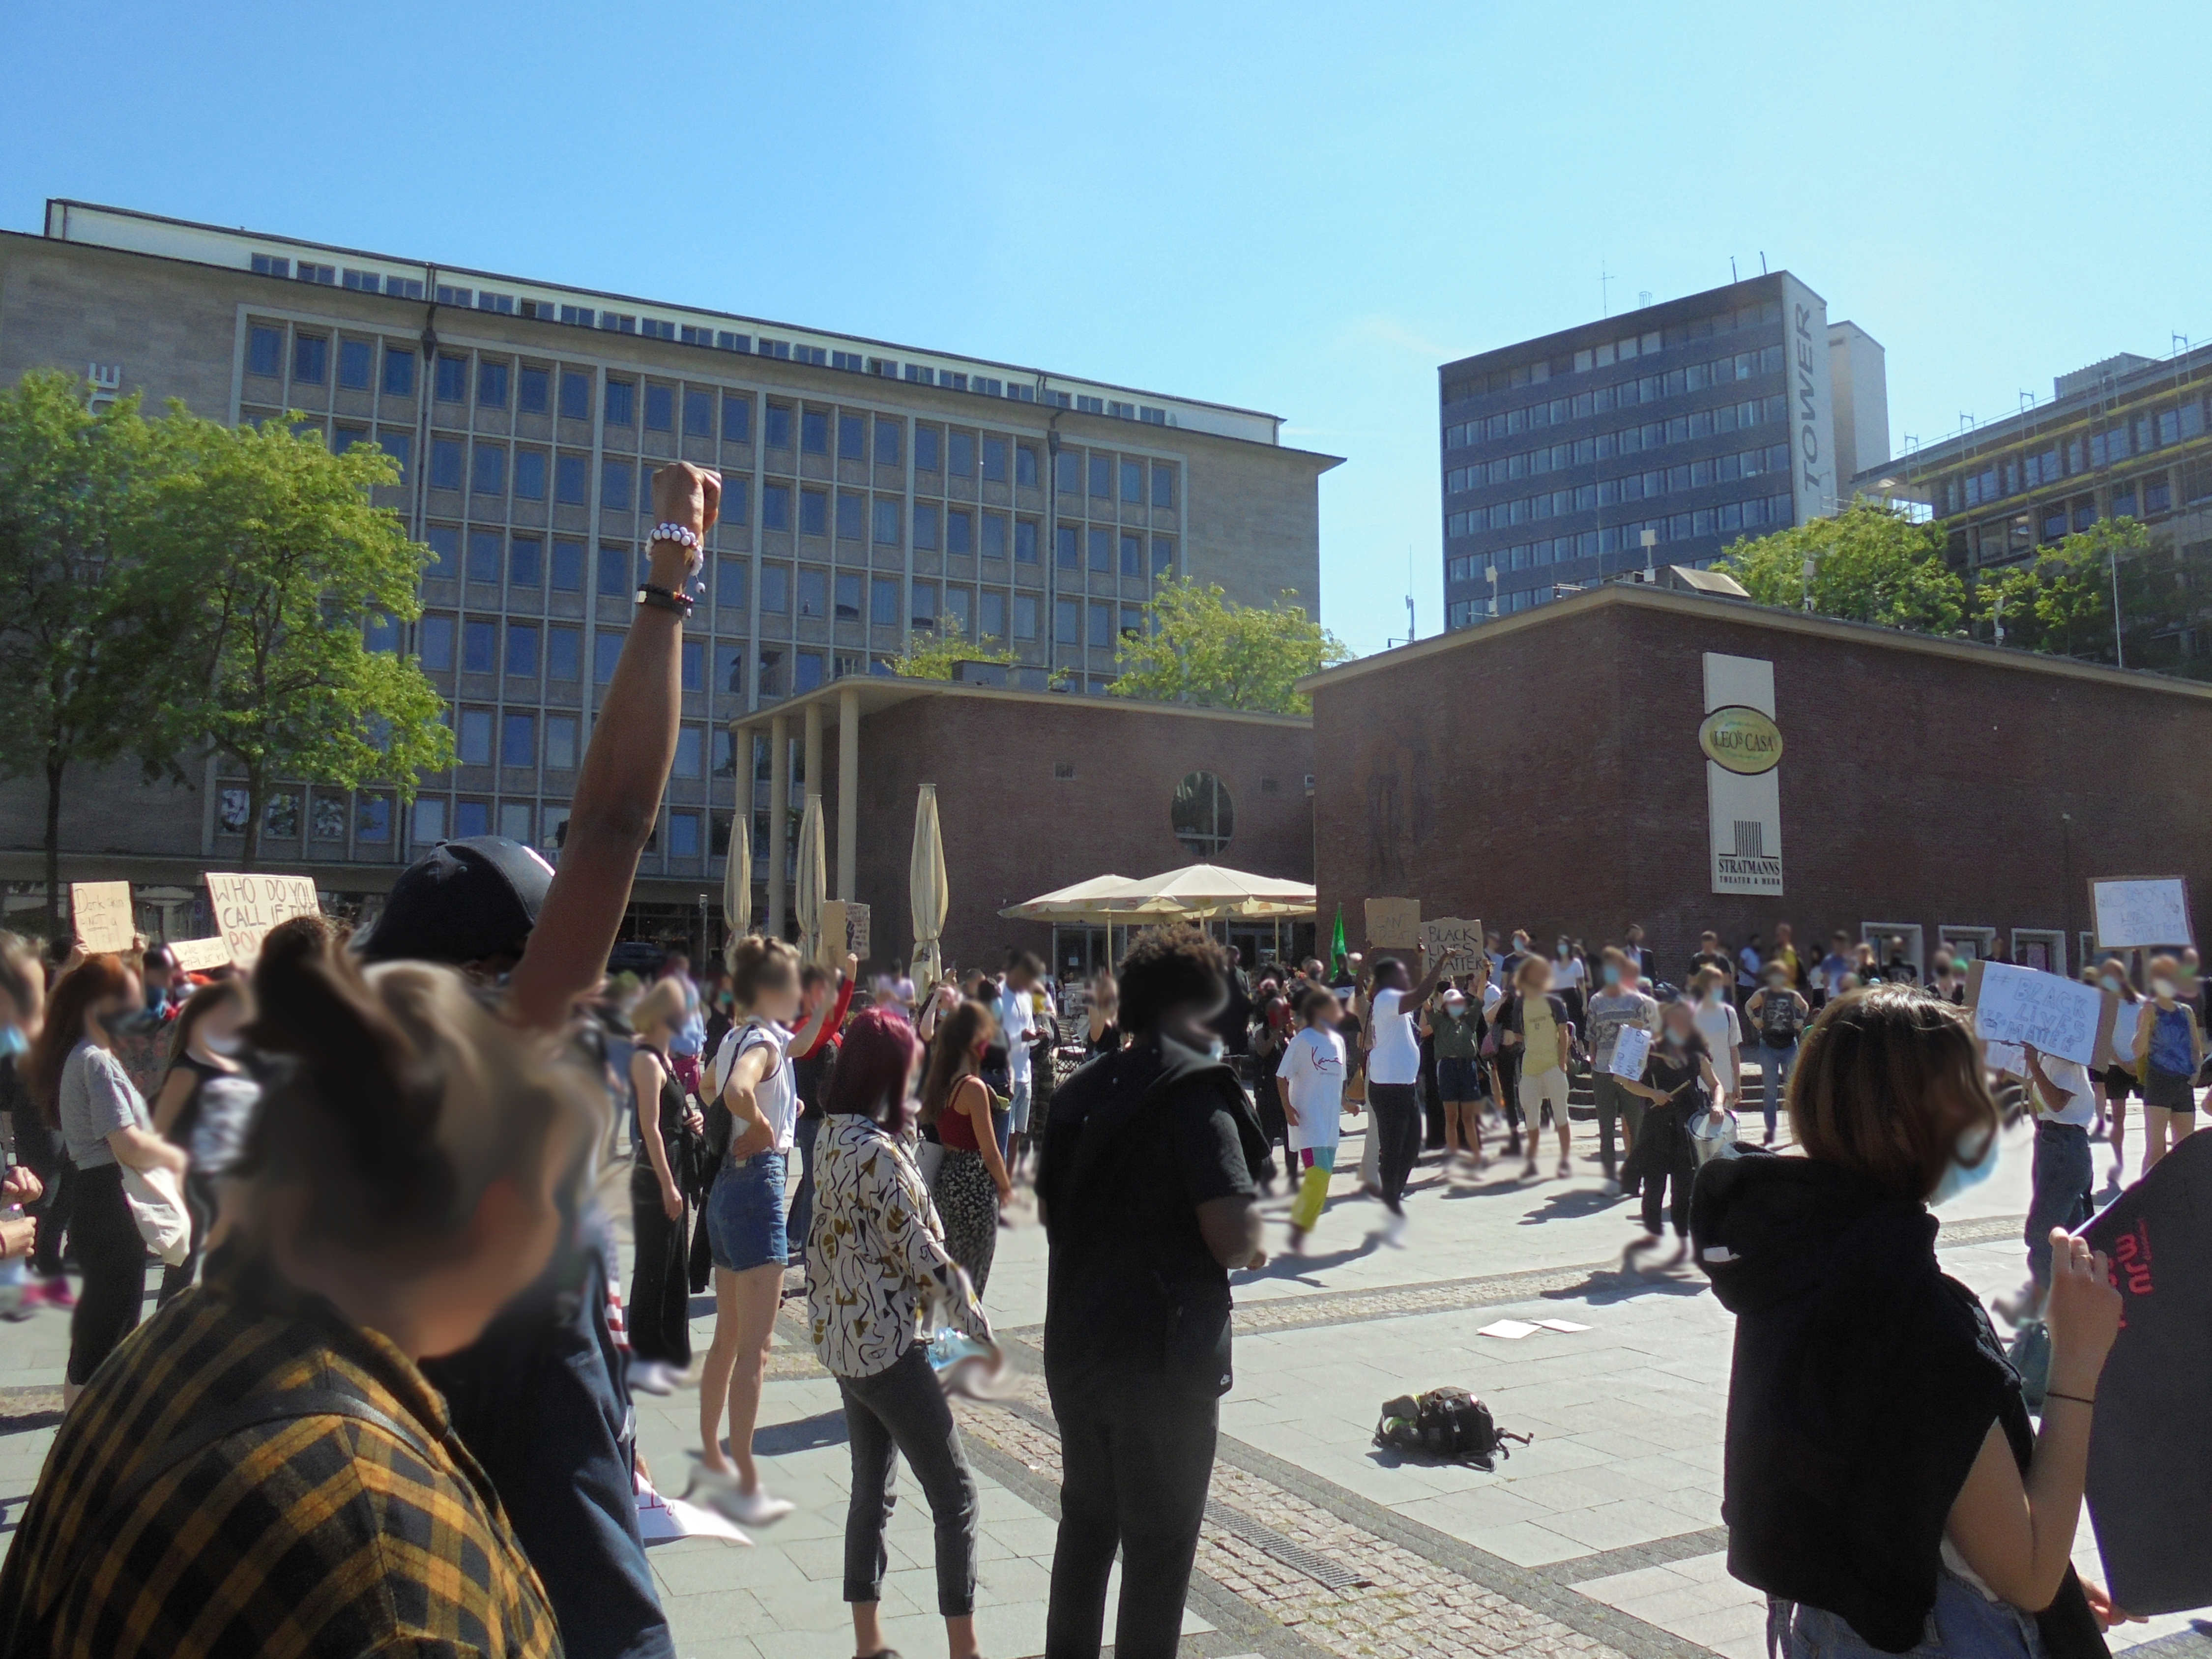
(1083, 901)
(927, 895)
(1214, 890)
(738, 878)
(814, 879)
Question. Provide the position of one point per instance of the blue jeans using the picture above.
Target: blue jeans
(1964, 1624)
(2063, 1181)
(1774, 1068)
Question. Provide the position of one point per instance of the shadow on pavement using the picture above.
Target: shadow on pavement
(806, 1434)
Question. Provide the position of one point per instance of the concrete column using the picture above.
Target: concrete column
(779, 821)
(848, 792)
(813, 750)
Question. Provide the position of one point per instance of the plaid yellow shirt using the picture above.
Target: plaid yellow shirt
(308, 1536)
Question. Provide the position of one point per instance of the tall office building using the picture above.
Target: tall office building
(870, 490)
(1656, 437)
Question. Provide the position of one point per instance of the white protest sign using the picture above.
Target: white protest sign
(196, 955)
(660, 1520)
(1453, 944)
(1512, 1330)
(100, 912)
(2136, 911)
(2059, 1016)
(1632, 1047)
(2127, 1023)
(2008, 1059)
(856, 928)
(248, 907)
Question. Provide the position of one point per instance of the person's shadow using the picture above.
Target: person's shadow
(806, 1434)
(1606, 1285)
(1301, 1268)
(1567, 1205)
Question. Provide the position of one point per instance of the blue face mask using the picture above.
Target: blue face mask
(13, 1042)
(1612, 975)
(1970, 1165)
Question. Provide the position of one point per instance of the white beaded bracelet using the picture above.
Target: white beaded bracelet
(682, 535)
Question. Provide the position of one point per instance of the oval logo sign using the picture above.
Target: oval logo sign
(1741, 740)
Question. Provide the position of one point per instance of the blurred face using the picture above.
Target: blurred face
(1538, 978)
(1677, 1025)
(1328, 1011)
(29, 1017)
(778, 999)
(103, 1016)
(219, 1027)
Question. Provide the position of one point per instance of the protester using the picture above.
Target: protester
(1570, 979)
(752, 1076)
(106, 1128)
(1785, 952)
(1750, 968)
(1394, 1066)
(1618, 1002)
(203, 1039)
(1536, 1029)
(2169, 1053)
(1898, 968)
(1310, 1081)
(1019, 1025)
(22, 1017)
(1883, 1482)
(2062, 1101)
(1102, 1035)
(1457, 1024)
(1680, 1086)
(1710, 955)
(1945, 979)
(1722, 1030)
(2118, 1080)
(687, 1039)
(972, 1185)
(869, 1294)
(1778, 1014)
(407, 1178)
(1828, 977)
(810, 1068)
(1146, 1185)
(668, 1127)
(1646, 966)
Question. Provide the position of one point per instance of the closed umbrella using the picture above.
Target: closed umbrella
(813, 878)
(926, 888)
(738, 878)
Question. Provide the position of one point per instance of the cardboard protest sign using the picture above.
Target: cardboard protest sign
(844, 927)
(1455, 943)
(2136, 911)
(2057, 1015)
(1632, 1047)
(101, 913)
(2126, 1023)
(2150, 1447)
(196, 955)
(1393, 924)
(248, 907)
(856, 929)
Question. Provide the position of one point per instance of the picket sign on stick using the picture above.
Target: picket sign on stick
(101, 913)
(2141, 911)
(2057, 1015)
(247, 906)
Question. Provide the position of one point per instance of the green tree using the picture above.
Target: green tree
(1870, 563)
(2060, 601)
(291, 567)
(934, 653)
(1199, 646)
(86, 647)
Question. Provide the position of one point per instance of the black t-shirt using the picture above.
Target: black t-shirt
(1676, 1069)
(1901, 972)
(1137, 1140)
(1719, 959)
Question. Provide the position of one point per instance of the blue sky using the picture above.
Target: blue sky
(1242, 203)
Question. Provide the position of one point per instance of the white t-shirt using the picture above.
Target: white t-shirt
(1016, 1025)
(1313, 1061)
(1492, 996)
(2071, 1079)
(1396, 1057)
(1723, 1035)
(775, 1094)
(1569, 973)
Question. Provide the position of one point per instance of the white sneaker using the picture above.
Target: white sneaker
(722, 1493)
(652, 1377)
(1393, 1231)
(1612, 1189)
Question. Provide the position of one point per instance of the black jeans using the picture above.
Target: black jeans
(1665, 1153)
(112, 1256)
(200, 1205)
(659, 1285)
(1136, 1451)
(904, 1410)
(36, 1144)
(1398, 1122)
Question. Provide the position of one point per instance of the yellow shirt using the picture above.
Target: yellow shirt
(1539, 1034)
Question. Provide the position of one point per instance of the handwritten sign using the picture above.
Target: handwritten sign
(2006, 1059)
(248, 907)
(100, 911)
(2136, 911)
(1453, 942)
(856, 928)
(198, 955)
(2127, 1023)
(2059, 1016)
(1632, 1047)
(844, 927)
(1393, 924)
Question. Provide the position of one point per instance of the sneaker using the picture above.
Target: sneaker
(1298, 1246)
(1567, 1168)
(2019, 1307)
(721, 1492)
(1529, 1171)
(52, 1293)
(1393, 1230)
(652, 1377)
(1612, 1189)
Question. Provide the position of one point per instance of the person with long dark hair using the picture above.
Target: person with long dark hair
(22, 1017)
(661, 1207)
(85, 1094)
(972, 1182)
(876, 1261)
(202, 1038)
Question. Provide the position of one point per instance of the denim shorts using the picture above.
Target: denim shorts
(1458, 1078)
(744, 1214)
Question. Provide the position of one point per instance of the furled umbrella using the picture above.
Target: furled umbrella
(926, 893)
(738, 878)
(813, 878)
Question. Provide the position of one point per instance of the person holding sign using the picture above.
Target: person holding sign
(1393, 1066)
(2118, 1080)
(1680, 1084)
(2064, 1105)
(1619, 1003)
(1883, 1481)
(2169, 1053)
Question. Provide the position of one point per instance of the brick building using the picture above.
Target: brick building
(1035, 791)
(1545, 771)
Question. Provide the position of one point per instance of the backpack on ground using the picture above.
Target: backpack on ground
(1450, 1425)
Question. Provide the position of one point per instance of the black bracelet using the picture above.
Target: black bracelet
(665, 600)
(2053, 1394)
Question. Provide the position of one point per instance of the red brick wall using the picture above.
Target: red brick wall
(1013, 831)
(1548, 775)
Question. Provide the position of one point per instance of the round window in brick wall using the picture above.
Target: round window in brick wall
(1203, 817)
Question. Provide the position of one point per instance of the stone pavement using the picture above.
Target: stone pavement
(1601, 1537)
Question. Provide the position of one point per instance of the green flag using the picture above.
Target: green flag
(1336, 950)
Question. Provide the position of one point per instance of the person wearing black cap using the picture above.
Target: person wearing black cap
(542, 1399)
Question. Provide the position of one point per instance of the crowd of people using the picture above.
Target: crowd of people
(395, 1332)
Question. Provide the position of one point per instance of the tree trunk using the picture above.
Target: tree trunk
(55, 767)
(253, 790)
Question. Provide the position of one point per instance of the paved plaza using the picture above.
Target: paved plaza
(1601, 1536)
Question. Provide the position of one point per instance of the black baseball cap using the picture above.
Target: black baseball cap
(467, 902)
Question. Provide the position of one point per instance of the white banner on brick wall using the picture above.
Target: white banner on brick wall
(1743, 788)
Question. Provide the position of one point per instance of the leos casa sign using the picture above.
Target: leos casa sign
(1741, 740)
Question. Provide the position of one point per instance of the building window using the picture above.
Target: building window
(453, 380)
(887, 522)
(1066, 623)
(1132, 482)
(606, 652)
(921, 606)
(616, 479)
(572, 483)
(615, 573)
(622, 402)
(398, 373)
(814, 432)
(775, 588)
(1067, 548)
(1132, 555)
(1102, 477)
(446, 470)
(959, 530)
(264, 352)
(959, 610)
(490, 474)
(995, 461)
(1101, 626)
(1025, 616)
(732, 581)
(848, 597)
(522, 649)
(813, 593)
(883, 601)
(887, 441)
(960, 454)
(995, 535)
(372, 822)
(531, 388)
(1025, 541)
(429, 823)
(852, 510)
(779, 426)
(813, 513)
(807, 671)
(479, 647)
(564, 654)
(1025, 465)
(560, 742)
(1202, 816)
(775, 507)
(737, 418)
(517, 739)
(491, 386)
(660, 407)
(698, 414)
(434, 643)
(530, 474)
(1163, 557)
(471, 818)
(1068, 472)
(993, 625)
(355, 359)
(473, 737)
(924, 525)
(1164, 485)
(483, 556)
(690, 751)
(925, 449)
(1102, 548)
(575, 396)
(310, 359)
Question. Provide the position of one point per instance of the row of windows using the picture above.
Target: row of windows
(2139, 434)
(1635, 487)
(281, 816)
(1622, 394)
(1627, 441)
(1623, 350)
(1761, 514)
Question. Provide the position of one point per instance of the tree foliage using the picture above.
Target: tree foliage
(1197, 646)
(290, 566)
(1870, 563)
(2060, 601)
(936, 653)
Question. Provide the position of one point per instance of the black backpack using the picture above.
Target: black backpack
(1448, 1424)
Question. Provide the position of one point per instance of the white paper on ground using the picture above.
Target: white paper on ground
(660, 1519)
(1511, 1329)
(1561, 1325)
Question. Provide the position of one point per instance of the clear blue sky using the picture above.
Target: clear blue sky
(1300, 208)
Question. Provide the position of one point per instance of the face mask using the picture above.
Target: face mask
(1675, 1039)
(2164, 987)
(2110, 983)
(1612, 975)
(1776, 982)
(1972, 1163)
(13, 1042)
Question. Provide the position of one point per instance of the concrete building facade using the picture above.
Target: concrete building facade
(872, 490)
(1656, 437)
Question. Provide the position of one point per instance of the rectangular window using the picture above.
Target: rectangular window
(479, 647)
(606, 652)
(775, 588)
(887, 441)
(925, 449)
(1101, 550)
(698, 414)
(264, 352)
(434, 643)
(852, 510)
(561, 742)
(887, 521)
(737, 418)
(531, 388)
(1132, 482)
(429, 821)
(921, 606)
(615, 574)
(851, 438)
(1025, 541)
(660, 407)
(691, 755)
(446, 467)
(622, 402)
(1163, 557)
(522, 649)
(517, 739)
(959, 605)
(995, 536)
(883, 601)
(1163, 484)
(1102, 477)
(357, 358)
(564, 652)
(692, 669)
(568, 566)
(1068, 472)
(1025, 465)
(310, 359)
(488, 477)
(1101, 626)
(959, 530)
(994, 459)
(779, 426)
(372, 822)
(992, 625)
(924, 525)
(807, 672)
(1025, 616)
(814, 432)
(398, 373)
(491, 384)
(1066, 623)
(813, 513)
(575, 396)
(1068, 550)
(731, 582)
(775, 507)
(849, 597)
(453, 380)
(960, 454)
(572, 482)
(813, 593)
(1132, 555)
(473, 737)
(483, 556)
(616, 479)
(530, 474)
(729, 670)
